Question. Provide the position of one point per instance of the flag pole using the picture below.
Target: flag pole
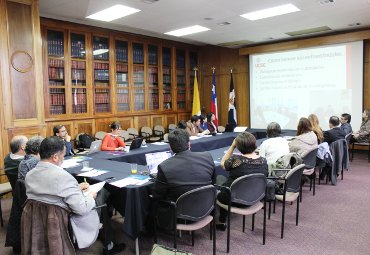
(231, 70)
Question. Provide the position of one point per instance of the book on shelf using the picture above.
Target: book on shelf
(56, 47)
(78, 49)
(57, 109)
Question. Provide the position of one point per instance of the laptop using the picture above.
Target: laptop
(136, 143)
(95, 146)
(154, 159)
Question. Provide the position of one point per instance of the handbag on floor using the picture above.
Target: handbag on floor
(163, 250)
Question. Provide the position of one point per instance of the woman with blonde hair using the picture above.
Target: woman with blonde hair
(316, 127)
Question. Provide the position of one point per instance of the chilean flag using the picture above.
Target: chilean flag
(214, 99)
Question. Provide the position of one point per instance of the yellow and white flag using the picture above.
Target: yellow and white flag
(196, 100)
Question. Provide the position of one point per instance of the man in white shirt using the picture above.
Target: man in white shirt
(274, 147)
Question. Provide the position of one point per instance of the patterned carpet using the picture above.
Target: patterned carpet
(335, 221)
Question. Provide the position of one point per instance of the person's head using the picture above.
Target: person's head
(313, 119)
(304, 126)
(18, 144)
(333, 121)
(245, 142)
(60, 131)
(366, 114)
(115, 126)
(345, 118)
(52, 150)
(273, 130)
(182, 124)
(210, 116)
(195, 119)
(178, 140)
(33, 145)
(203, 118)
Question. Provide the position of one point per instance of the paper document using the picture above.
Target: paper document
(68, 163)
(194, 137)
(136, 180)
(159, 143)
(93, 173)
(96, 187)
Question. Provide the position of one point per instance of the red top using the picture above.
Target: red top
(110, 143)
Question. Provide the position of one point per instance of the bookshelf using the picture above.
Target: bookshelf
(100, 47)
(193, 57)
(153, 91)
(122, 74)
(78, 73)
(138, 76)
(181, 79)
(56, 72)
(167, 78)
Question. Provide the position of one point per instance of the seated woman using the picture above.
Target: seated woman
(316, 127)
(32, 156)
(363, 135)
(203, 122)
(239, 165)
(305, 141)
(210, 124)
(274, 147)
(111, 141)
(193, 126)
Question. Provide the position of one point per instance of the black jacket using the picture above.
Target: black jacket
(333, 134)
(185, 171)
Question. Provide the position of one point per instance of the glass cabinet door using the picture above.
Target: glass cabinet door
(181, 79)
(138, 76)
(101, 74)
(56, 72)
(153, 78)
(167, 78)
(122, 81)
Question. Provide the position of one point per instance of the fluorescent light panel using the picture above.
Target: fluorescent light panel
(187, 30)
(112, 13)
(271, 12)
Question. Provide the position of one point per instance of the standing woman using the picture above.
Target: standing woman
(211, 125)
(111, 141)
(363, 135)
(316, 127)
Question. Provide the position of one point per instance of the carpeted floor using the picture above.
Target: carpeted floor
(335, 221)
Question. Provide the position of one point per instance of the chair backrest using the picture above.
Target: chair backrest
(159, 130)
(133, 133)
(310, 159)
(171, 127)
(100, 135)
(39, 222)
(20, 191)
(221, 129)
(146, 131)
(294, 178)
(165, 138)
(124, 134)
(348, 139)
(12, 177)
(248, 189)
(197, 203)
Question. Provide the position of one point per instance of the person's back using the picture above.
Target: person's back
(303, 144)
(273, 148)
(335, 132)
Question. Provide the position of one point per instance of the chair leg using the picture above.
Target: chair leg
(210, 230)
(273, 210)
(214, 235)
(314, 183)
(253, 221)
(320, 169)
(283, 218)
(353, 148)
(264, 223)
(310, 182)
(192, 238)
(174, 239)
(297, 214)
(243, 223)
(300, 193)
(269, 209)
(228, 233)
(1, 215)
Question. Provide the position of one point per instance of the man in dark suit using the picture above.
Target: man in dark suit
(335, 132)
(185, 171)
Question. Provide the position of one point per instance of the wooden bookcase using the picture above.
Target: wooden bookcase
(97, 75)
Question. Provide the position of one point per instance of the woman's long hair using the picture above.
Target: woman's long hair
(316, 127)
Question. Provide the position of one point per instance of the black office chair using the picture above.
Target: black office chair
(292, 186)
(196, 208)
(247, 190)
(310, 169)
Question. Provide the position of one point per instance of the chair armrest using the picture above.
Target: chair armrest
(145, 134)
(133, 135)
(167, 203)
(160, 132)
(99, 206)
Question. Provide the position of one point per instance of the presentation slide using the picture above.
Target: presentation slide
(288, 85)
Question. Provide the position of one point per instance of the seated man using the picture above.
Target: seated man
(51, 184)
(185, 171)
(193, 126)
(345, 120)
(335, 132)
(61, 132)
(16, 155)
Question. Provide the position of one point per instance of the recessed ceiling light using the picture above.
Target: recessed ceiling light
(223, 23)
(271, 12)
(187, 30)
(112, 13)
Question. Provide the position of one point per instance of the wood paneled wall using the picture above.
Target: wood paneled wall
(224, 59)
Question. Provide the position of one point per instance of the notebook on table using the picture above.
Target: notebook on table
(136, 143)
(95, 146)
